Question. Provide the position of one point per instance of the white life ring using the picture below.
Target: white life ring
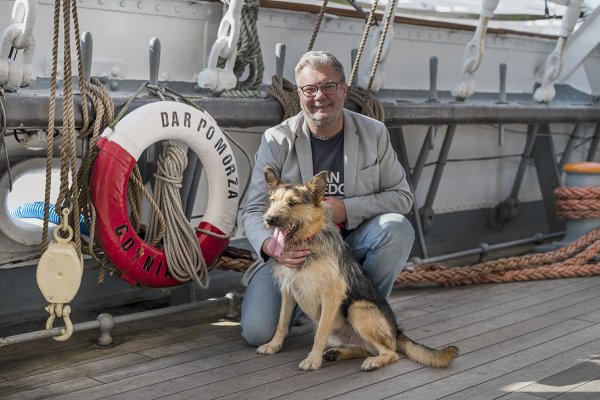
(118, 151)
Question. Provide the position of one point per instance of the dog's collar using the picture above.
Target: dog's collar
(310, 238)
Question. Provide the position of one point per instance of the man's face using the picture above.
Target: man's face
(323, 110)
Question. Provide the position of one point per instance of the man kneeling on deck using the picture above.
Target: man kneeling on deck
(367, 190)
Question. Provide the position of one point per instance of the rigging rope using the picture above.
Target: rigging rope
(317, 26)
(369, 104)
(68, 140)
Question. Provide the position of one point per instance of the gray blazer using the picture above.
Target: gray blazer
(374, 181)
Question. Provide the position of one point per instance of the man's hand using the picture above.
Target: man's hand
(338, 209)
(291, 258)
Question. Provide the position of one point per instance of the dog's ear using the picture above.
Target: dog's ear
(317, 185)
(271, 178)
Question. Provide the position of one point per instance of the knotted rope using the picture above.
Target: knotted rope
(184, 257)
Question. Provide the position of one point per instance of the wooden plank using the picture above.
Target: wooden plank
(521, 377)
(65, 374)
(587, 391)
(520, 396)
(193, 344)
(538, 355)
(465, 295)
(185, 322)
(557, 310)
(194, 359)
(403, 375)
(593, 316)
(20, 367)
(565, 381)
(469, 314)
(53, 389)
(497, 332)
(177, 378)
(496, 335)
(284, 383)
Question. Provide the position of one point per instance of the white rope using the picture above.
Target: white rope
(182, 250)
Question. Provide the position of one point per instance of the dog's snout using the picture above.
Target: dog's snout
(271, 220)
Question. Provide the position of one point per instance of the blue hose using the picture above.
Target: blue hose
(36, 210)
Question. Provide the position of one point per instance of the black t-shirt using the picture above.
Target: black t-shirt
(328, 155)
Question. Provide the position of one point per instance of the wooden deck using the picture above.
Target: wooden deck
(530, 340)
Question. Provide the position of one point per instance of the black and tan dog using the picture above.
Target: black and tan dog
(354, 319)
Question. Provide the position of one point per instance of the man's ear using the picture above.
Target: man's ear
(271, 178)
(317, 185)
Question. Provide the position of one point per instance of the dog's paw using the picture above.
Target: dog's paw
(370, 364)
(310, 363)
(268, 348)
(331, 355)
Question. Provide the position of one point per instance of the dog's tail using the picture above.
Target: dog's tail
(426, 355)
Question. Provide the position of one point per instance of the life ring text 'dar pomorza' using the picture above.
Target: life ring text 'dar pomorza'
(118, 151)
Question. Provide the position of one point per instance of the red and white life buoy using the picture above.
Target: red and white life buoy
(118, 151)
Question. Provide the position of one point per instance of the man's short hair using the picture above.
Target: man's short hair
(318, 58)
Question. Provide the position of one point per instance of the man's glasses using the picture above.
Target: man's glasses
(326, 88)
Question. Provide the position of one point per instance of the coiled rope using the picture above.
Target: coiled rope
(578, 202)
(286, 94)
(576, 259)
(184, 257)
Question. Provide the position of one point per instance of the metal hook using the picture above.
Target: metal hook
(87, 47)
(279, 61)
(154, 60)
(62, 311)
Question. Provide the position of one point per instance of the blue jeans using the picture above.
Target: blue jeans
(382, 245)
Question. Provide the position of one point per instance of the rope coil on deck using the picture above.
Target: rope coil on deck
(577, 259)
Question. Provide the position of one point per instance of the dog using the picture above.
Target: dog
(354, 319)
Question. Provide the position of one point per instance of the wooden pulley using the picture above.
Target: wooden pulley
(60, 269)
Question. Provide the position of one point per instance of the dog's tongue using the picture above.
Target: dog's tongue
(277, 242)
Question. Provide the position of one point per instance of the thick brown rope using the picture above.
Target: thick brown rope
(388, 20)
(367, 102)
(370, 22)
(569, 261)
(578, 202)
(287, 95)
(51, 124)
(317, 26)
(365, 99)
